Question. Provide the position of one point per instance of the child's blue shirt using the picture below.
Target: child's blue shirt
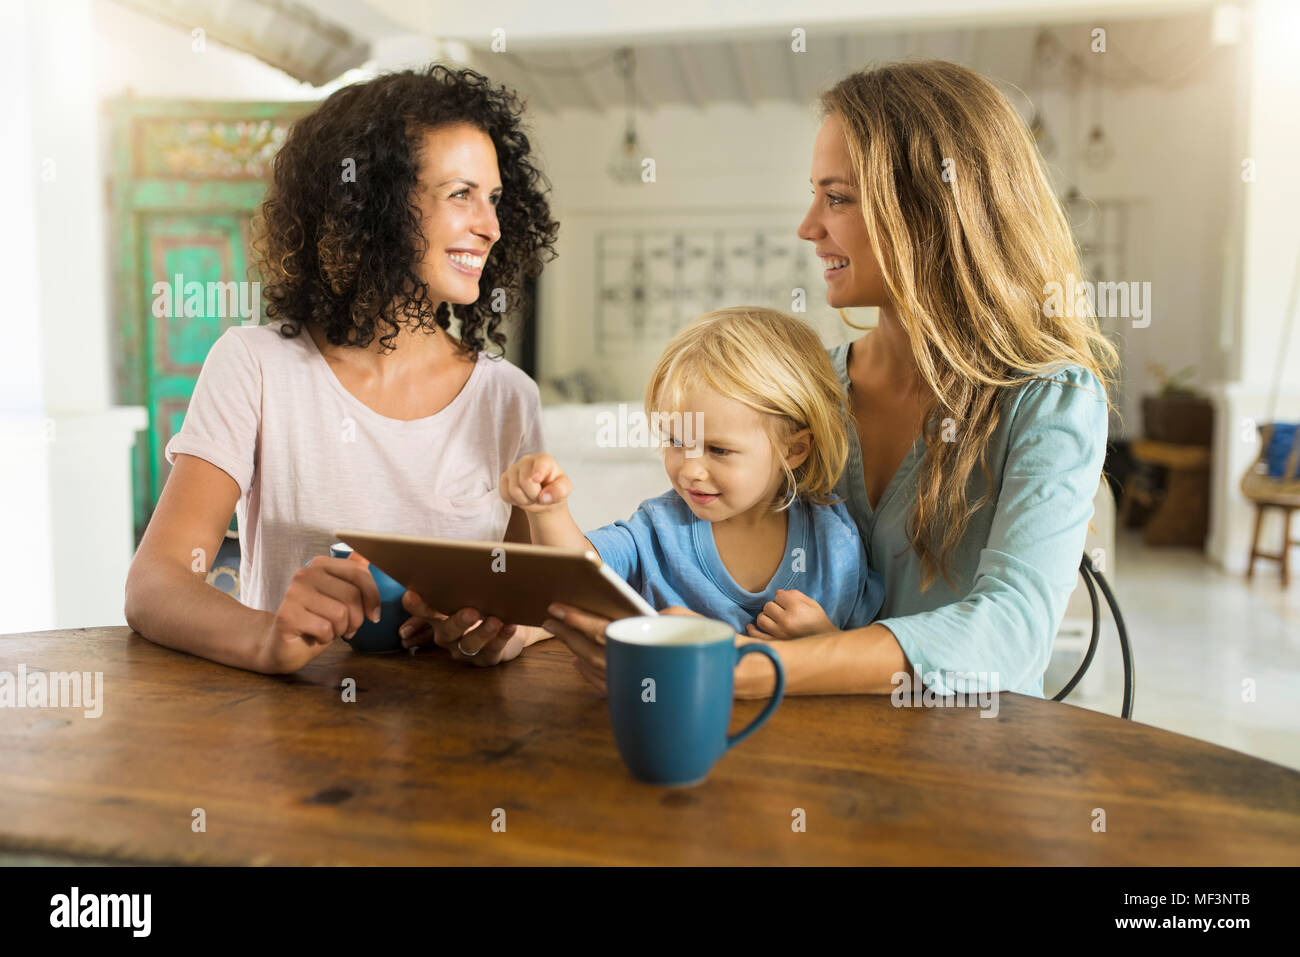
(668, 555)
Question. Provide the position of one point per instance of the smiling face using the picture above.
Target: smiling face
(459, 188)
(733, 467)
(835, 225)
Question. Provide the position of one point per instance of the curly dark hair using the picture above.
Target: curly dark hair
(343, 255)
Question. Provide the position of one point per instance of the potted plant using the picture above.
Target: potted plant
(1178, 413)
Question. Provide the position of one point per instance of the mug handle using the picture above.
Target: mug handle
(776, 695)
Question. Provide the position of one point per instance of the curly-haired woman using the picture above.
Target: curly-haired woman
(980, 411)
(356, 405)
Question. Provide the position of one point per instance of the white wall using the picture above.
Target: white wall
(1264, 261)
(26, 582)
(66, 452)
(1271, 243)
(1172, 162)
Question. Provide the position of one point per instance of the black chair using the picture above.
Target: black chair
(1090, 574)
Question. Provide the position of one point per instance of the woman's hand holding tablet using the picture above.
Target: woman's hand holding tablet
(491, 643)
(326, 599)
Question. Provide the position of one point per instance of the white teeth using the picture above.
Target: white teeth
(464, 259)
(833, 262)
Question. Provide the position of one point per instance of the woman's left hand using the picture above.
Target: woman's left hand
(584, 634)
(491, 643)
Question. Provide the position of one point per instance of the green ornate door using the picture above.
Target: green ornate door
(187, 177)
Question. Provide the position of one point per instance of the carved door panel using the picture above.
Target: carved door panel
(187, 177)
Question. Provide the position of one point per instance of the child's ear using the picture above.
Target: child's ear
(798, 447)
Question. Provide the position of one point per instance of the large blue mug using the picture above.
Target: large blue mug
(670, 682)
(373, 637)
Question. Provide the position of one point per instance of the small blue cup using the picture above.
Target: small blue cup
(375, 637)
(670, 684)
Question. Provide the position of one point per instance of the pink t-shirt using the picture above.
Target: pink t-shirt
(310, 457)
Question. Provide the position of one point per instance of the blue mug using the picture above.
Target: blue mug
(374, 637)
(670, 684)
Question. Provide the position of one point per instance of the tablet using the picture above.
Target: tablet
(510, 580)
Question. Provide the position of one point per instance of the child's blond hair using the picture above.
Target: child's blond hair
(774, 364)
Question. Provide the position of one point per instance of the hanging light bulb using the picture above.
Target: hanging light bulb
(1042, 135)
(1045, 55)
(625, 161)
(1098, 151)
(1078, 208)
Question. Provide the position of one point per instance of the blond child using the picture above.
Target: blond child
(754, 425)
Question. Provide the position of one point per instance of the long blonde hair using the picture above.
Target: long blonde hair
(968, 233)
(774, 364)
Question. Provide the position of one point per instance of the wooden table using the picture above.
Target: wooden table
(412, 772)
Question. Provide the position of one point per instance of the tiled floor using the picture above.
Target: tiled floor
(1198, 633)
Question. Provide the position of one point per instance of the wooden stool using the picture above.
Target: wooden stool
(1269, 491)
(1287, 541)
(1182, 517)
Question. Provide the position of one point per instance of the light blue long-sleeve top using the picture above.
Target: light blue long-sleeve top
(1016, 566)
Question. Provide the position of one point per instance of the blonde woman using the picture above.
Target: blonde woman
(754, 422)
(980, 412)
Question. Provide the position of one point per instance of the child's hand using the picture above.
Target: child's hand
(535, 483)
(791, 614)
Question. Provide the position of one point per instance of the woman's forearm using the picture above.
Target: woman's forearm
(176, 608)
(861, 661)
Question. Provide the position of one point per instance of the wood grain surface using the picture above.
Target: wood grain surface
(414, 771)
